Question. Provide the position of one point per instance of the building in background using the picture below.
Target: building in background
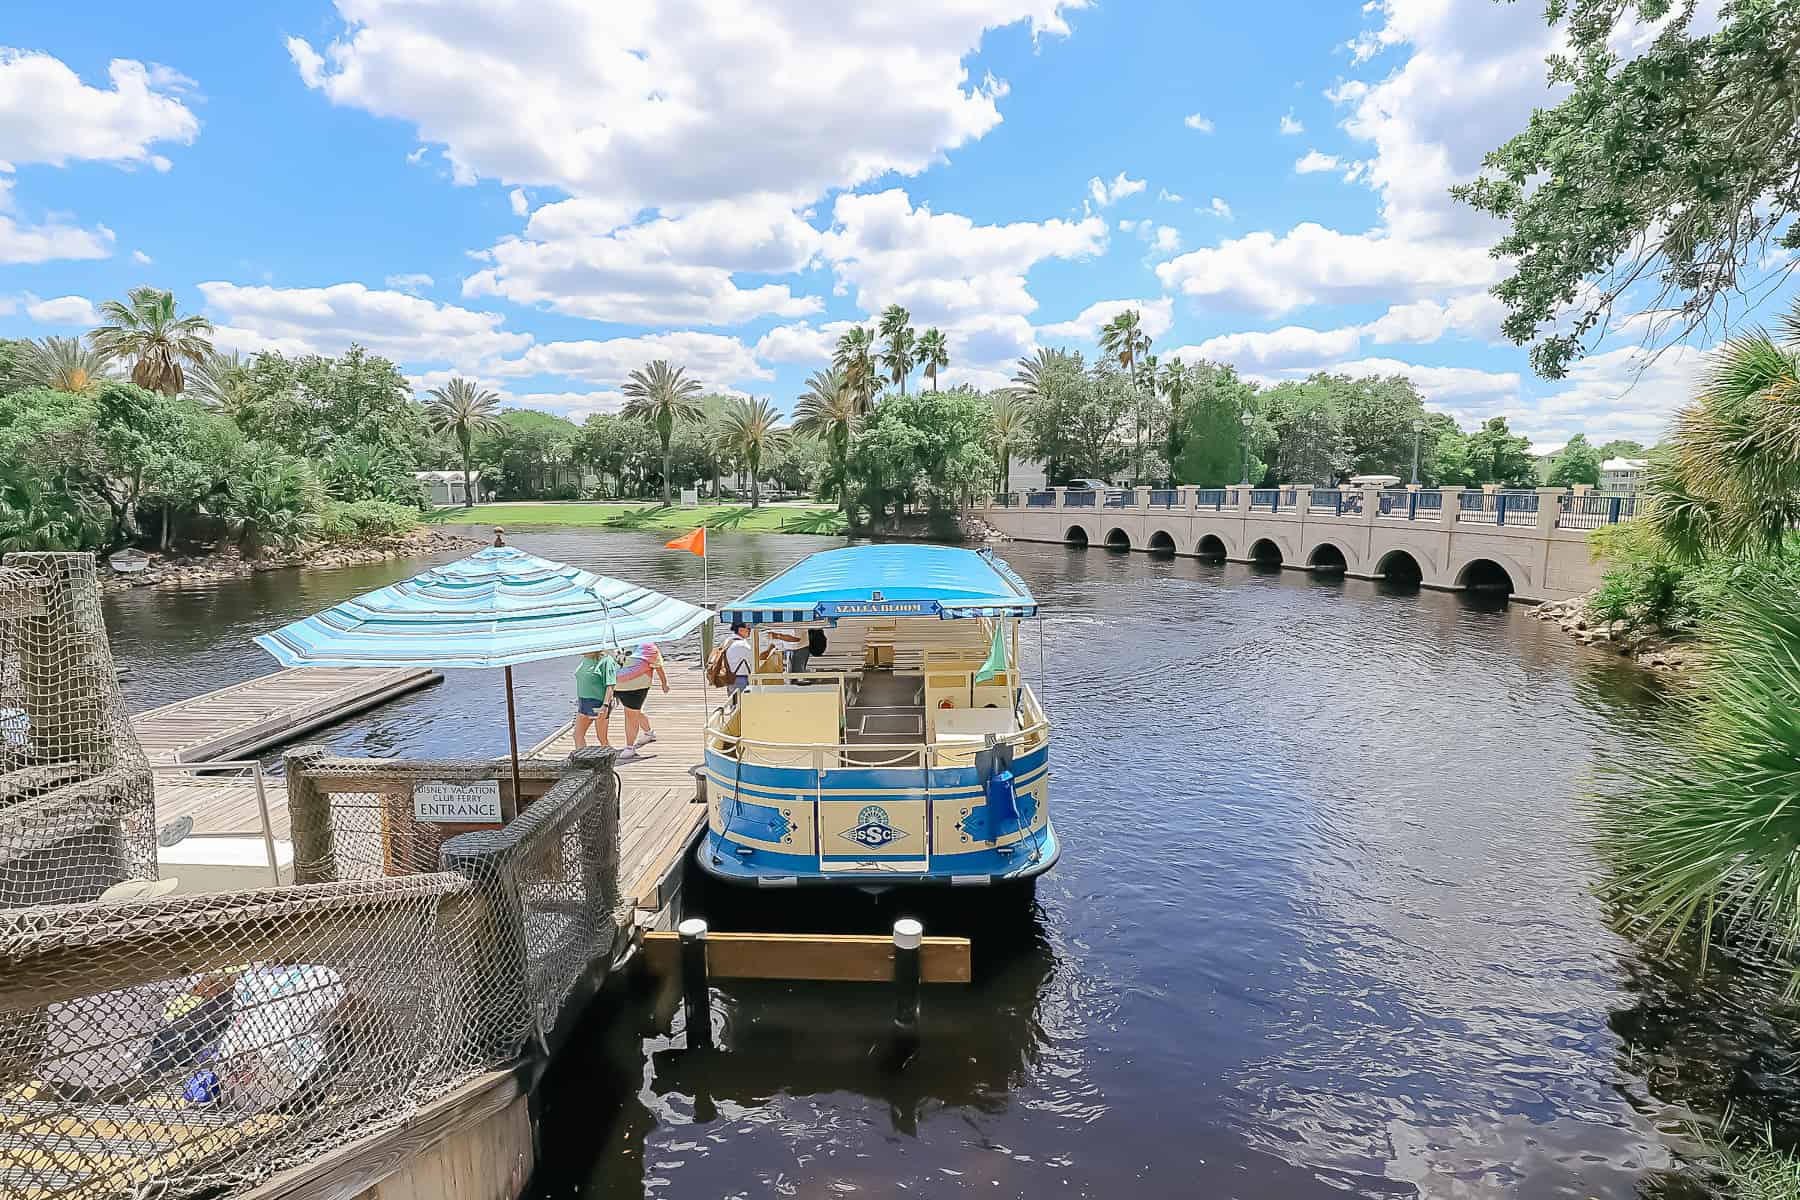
(444, 488)
(1623, 476)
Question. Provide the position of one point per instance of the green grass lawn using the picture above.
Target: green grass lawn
(786, 518)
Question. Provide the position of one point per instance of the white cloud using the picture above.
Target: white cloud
(1154, 318)
(801, 342)
(1290, 124)
(520, 203)
(1464, 391)
(573, 405)
(1197, 122)
(1313, 162)
(63, 310)
(664, 270)
(326, 320)
(1618, 394)
(1166, 195)
(1311, 264)
(664, 105)
(21, 242)
(1167, 240)
(1103, 193)
(47, 115)
(1219, 208)
(967, 279)
(716, 360)
(412, 281)
(1477, 315)
(141, 259)
(1289, 346)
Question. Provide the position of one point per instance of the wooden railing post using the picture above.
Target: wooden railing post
(309, 817)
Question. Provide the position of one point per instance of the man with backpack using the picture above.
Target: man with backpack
(737, 658)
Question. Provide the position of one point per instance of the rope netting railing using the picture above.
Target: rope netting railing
(179, 1045)
(182, 1044)
(77, 809)
(192, 1043)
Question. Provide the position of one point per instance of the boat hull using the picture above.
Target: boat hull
(954, 825)
(982, 868)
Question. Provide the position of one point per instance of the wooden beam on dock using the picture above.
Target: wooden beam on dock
(247, 718)
(827, 957)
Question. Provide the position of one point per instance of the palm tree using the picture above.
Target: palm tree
(221, 382)
(464, 408)
(145, 328)
(1008, 429)
(934, 354)
(898, 353)
(1174, 385)
(1729, 480)
(752, 426)
(1031, 382)
(828, 408)
(60, 363)
(855, 359)
(1122, 338)
(663, 395)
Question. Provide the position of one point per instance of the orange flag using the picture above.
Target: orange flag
(693, 543)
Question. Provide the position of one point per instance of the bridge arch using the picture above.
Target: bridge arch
(1212, 545)
(1329, 558)
(1118, 539)
(1493, 574)
(1077, 535)
(1161, 542)
(1401, 567)
(1265, 551)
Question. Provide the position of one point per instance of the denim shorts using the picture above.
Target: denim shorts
(586, 707)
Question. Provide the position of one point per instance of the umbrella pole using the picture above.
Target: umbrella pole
(512, 731)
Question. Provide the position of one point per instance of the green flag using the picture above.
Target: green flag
(996, 659)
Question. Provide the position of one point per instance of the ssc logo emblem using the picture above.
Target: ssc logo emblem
(872, 829)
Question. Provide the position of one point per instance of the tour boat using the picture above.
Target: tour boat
(908, 751)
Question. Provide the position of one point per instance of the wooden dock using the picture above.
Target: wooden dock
(248, 718)
(658, 819)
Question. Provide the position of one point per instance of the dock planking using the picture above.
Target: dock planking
(246, 718)
(658, 819)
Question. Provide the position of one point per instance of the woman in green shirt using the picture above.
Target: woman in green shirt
(594, 696)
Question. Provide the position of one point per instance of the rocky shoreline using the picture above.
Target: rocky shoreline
(227, 562)
(1649, 647)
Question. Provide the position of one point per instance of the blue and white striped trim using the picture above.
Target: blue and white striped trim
(796, 616)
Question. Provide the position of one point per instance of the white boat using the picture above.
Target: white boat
(128, 562)
(910, 751)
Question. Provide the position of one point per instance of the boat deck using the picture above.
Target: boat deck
(247, 718)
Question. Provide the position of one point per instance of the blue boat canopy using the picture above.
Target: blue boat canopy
(886, 581)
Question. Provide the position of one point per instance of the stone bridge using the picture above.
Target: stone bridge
(1532, 544)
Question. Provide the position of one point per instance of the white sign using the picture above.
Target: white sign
(474, 803)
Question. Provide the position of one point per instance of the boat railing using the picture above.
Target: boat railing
(823, 756)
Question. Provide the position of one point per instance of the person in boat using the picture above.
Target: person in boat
(594, 678)
(632, 688)
(738, 656)
(799, 645)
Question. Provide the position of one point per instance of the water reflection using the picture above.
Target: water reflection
(1325, 920)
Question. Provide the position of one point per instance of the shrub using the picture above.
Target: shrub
(1646, 584)
(366, 518)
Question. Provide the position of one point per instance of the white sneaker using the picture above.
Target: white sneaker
(649, 736)
(627, 754)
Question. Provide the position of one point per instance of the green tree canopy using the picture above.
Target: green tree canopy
(1623, 448)
(1310, 444)
(1214, 403)
(1494, 455)
(1675, 168)
(1576, 463)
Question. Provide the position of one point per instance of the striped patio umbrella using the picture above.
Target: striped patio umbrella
(496, 608)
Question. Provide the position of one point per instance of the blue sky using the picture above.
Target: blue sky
(546, 194)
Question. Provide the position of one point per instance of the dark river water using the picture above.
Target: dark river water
(1324, 921)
